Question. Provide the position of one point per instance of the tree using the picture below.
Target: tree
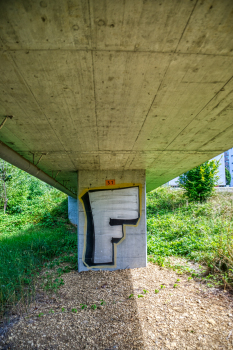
(4, 177)
(199, 182)
(15, 187)
(228, 176)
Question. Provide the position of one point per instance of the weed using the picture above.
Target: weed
(195, 274)
(51, 283)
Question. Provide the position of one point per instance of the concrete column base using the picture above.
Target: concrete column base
(112, 220)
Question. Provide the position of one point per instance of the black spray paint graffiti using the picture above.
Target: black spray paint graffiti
(107, 211)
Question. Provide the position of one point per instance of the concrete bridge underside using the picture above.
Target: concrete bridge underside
(116, 85)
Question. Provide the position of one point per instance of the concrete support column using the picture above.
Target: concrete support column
(112, 220)
(73, 210)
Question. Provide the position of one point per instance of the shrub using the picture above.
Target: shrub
(199, 182)
(228, 176)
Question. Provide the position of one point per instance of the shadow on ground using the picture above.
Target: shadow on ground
(91, 311)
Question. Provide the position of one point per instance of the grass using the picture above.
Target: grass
(38, 237)
(201, 232)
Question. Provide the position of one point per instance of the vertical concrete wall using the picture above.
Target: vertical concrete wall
(73, 210)
(112, 220)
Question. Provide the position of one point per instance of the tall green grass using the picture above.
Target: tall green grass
(31, 239)
(199, 231)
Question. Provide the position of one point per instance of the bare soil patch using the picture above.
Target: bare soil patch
(188, 316)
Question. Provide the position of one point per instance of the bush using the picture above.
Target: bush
(228, 177)
(199, 182)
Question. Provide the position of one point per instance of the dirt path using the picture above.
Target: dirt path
(185, 317)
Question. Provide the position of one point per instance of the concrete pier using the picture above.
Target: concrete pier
(112, 220)
(73, 210)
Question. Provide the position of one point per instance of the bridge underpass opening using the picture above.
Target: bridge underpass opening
(114, 88)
